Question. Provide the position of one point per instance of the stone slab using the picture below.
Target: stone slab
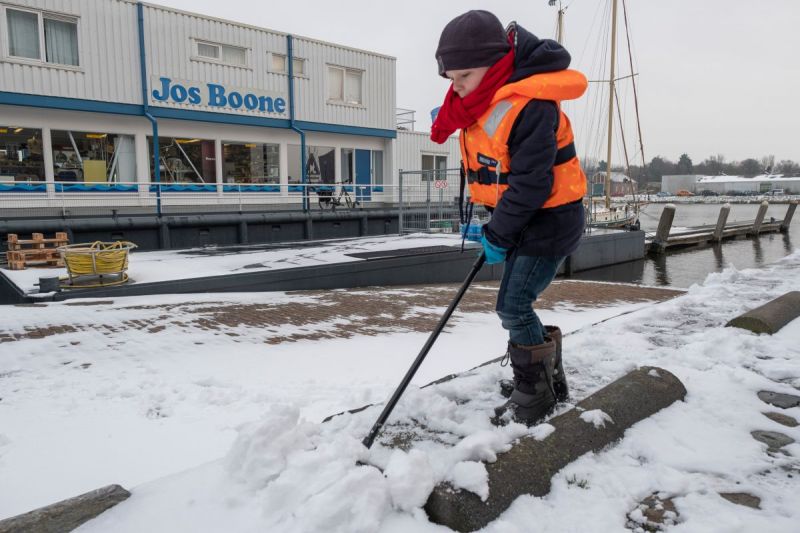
(68, 514)
(742, 498)
(630, 399)
(778, 399)
(773, 439)
(770, 317)
(782, 419)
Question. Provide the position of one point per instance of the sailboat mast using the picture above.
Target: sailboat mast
(611, 99)
(560, 30)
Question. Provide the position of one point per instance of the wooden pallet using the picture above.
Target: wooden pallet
(36, 251)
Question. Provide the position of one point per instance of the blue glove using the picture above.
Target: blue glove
(494, 254)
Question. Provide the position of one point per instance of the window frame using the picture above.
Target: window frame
(435, 172)
(345, 71)
(195, 55)
(41, 15)
(285, 71)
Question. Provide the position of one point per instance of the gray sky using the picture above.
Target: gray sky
(715, 76)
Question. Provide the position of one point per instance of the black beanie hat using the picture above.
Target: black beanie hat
(475, 39)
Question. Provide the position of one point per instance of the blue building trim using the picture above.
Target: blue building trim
(69, 104)
(96, 106)
(221, 118)
(347, 130)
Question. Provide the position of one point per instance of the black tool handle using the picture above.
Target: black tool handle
(387, 410)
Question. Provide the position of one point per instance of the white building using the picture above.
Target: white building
(88, 88)
(731, 184)
(679, 182)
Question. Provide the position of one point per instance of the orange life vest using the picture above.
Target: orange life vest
(484, 145)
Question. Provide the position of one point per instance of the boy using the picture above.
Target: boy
(519, 160)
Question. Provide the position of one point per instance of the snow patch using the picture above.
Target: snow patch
(541, 431)
(410, 478)
(596, 417)
(471, 476)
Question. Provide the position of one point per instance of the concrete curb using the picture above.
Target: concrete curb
(530, 464)
(770, 317)
(68, 514)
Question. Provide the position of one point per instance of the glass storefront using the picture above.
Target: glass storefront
(184, 160)
(320, 163)
(251, 163)
(93, 157)
(21, 154)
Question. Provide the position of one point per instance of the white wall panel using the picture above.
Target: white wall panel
(109, 57)
(411, 145)
(108, 52)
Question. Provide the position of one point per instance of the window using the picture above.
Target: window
(320, 163)
(251, 162)
(279, 65)
(184, 160)
(223, 53)
(344, 85)
(94, 157)
(377, 167)
(20, 155)
(434, 167)
(30, 33)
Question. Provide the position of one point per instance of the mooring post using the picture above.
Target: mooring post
(788, 218)
(664, 226)
(723, 218)
(762, 211)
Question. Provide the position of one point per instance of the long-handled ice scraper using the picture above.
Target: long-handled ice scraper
(387, 410)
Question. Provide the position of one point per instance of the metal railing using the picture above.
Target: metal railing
(428, 202)
(70, 199)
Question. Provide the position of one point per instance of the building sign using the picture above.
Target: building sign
(216, 96)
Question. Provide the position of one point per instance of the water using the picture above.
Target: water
(682, 268)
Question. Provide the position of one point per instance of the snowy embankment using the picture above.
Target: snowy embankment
(94, 392)
(288, 473)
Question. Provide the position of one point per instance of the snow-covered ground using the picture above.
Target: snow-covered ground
(130, 405)
(153, 266)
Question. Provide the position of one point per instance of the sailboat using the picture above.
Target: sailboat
(601, 212)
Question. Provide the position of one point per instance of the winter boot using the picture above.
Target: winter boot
(559, 377)
(533, 396)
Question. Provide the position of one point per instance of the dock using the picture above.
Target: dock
(664, 240)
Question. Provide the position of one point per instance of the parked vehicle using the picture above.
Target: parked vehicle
(684, 192)
(707, 192)
(663, 194)
(775, 192)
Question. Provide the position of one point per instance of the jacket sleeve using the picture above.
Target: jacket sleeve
(532, 148)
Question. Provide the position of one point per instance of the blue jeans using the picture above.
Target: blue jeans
(524, 279)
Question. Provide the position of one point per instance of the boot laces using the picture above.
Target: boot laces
(506, 358)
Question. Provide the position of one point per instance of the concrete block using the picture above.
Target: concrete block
(68, 514)
(770, 317)
(530, 464)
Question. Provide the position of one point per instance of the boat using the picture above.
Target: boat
(601, 211)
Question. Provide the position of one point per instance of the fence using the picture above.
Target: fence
(428, 201)
(25, 200)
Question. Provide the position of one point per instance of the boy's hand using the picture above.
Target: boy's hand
(494, 254)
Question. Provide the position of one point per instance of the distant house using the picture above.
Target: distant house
(620, 184)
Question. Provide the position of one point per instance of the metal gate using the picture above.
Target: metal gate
(428, 202)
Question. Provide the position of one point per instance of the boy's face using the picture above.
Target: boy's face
(465, 81)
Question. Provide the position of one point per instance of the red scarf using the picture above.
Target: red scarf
(457, 112)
